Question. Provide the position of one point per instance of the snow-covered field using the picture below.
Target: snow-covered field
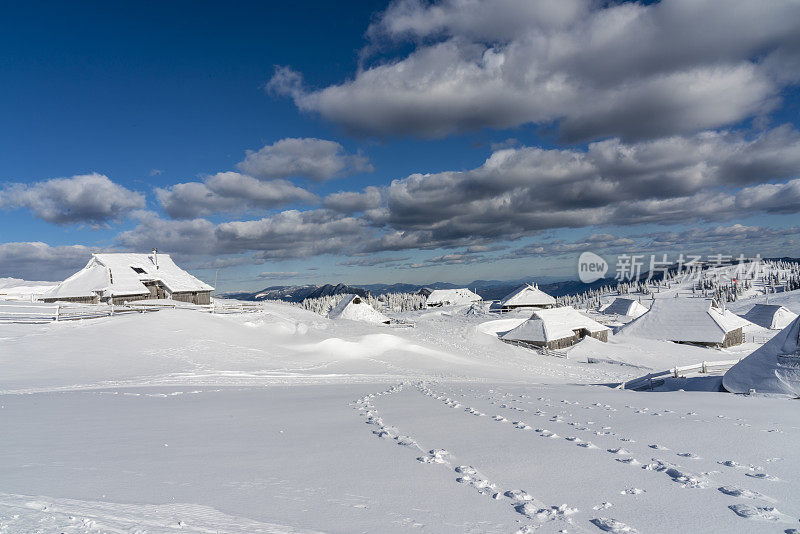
(285, 421)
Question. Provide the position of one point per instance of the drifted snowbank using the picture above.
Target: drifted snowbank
(774, 368)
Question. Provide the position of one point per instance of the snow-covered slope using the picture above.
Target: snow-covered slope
(18, 289)
(284, 421)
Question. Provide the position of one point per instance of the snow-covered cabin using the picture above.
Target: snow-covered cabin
(772, 316)
(355, 308)
(121, 277)
(556, 328)
(688, 320)
(527, 296)
(772, 368)
(626, 308)
(451, 297)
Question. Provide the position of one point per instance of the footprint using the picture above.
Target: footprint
(612, 525)
(632, 491)
(629, 461)
(435, 456)
(602, 506)
(587, 445)
(689, 455)
(518, 495)
(618, 450)
(531, 510)
(687, 480)
(658, 447)
(763, 476)
(471, 477)
(384, 433)
(763, 513)
(407, 441)
(735, 491)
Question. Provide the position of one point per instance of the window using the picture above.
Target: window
(139, 270)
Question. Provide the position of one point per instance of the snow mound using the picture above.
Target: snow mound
(773, 368)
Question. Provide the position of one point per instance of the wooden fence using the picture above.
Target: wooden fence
(37, 313)
(41, 313)
(541, 350)
(646, 382)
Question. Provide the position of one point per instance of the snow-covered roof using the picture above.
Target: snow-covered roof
(773, 316)
(119, 274)
(355, 308)
(452, 297)
(626, 307)
(528, 295)
(690, 320)
(772, 368)
(552, 324)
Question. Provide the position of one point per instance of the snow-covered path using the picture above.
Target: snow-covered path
(437, 456)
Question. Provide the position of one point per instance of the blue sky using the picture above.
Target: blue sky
(476, 139)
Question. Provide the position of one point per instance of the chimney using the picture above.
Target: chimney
(155, 257)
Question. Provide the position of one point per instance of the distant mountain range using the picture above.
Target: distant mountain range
(488, 289)
(299, 293)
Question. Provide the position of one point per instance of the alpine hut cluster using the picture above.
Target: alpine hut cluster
(116, 278)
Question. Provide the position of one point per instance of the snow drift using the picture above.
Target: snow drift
(774, 368)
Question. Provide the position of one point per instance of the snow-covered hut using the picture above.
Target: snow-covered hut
(451, 297)
(355, 308)
(122, 277)
(625, 307)
(688, 320)
(556, 328)
(772, 368)
(772, 316)
(527, 296)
